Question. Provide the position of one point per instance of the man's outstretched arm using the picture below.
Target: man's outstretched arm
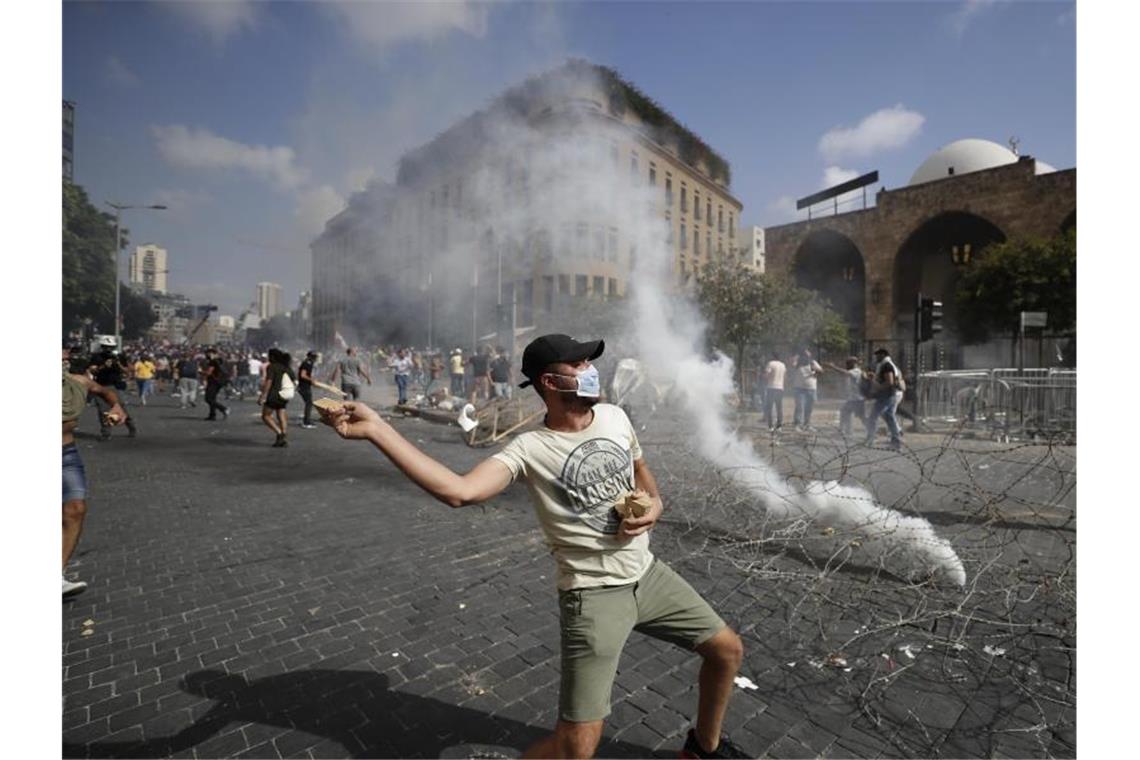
(359, 422)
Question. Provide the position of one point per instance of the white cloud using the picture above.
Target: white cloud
(119, 74)
(218, 19)
(966, 13)
(180, 204)
(834, 175)
(201, 149)
(315, 207)
(885, 129)
(384, 25)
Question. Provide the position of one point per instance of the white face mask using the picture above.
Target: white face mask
(589, 383)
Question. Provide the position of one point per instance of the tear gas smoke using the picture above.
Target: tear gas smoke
(543, 187)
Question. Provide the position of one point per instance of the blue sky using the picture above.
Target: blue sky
(254, 121)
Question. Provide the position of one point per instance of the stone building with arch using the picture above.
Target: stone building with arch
(872, 263)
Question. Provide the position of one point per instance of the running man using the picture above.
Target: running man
(577, 467)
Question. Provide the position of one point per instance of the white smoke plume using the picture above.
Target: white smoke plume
(551, 185)
(871, 535)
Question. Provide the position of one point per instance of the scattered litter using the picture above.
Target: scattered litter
(907, 649)
(745, 683)
(791, 664)
(993, 651)
(395, 654)
(983, 467)
(89, 622)
(462, 606)
(837, 661)
(314, 610)
(87, 632)
(827, 531)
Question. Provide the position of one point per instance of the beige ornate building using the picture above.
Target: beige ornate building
(538, 200)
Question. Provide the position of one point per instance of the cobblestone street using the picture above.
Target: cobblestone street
(248, 601)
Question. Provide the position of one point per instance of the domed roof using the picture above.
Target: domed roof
(962, 157)
(1044, 168)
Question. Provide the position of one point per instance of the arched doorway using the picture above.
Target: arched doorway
(830, 264)
(931, 260)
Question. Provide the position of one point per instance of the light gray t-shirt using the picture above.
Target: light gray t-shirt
(804, 375)
(350, 370)
(575, 479)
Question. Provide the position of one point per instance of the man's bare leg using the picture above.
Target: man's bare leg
(574, 740)
(73, 513)
(721, 655)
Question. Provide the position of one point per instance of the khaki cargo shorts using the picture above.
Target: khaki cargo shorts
(596, 622)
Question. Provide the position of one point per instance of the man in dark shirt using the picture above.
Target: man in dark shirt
(481, 382)
(501, 373)
(186, 372)
(305, 387)
(108, 370)
(216, 379)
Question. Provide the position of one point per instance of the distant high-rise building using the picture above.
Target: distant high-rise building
(148, 268)
(68, 140)
(268, 300)
(750, 247)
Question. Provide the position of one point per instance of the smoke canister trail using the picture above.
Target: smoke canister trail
(865, 533)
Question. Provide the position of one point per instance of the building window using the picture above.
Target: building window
(697, 205)
(696, 242)
(583, 243)
(668, 191)
(684, 238)
(612, 244)
(599, 286)
(563, 284)
(720, 218)
(708, 212)
(580, 284)
(684, 199)
(731, 226)
(652, 174)
(708, 243)
(612, 285)
(548, 292)
(634, 169)
(669, 231)
(599, 243)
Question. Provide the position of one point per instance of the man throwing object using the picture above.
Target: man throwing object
(584, 461)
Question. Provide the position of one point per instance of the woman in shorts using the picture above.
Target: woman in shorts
(272, 400)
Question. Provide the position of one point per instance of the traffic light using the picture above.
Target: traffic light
(929, 318)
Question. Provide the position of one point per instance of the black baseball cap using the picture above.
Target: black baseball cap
(881, 350)
(551, 349)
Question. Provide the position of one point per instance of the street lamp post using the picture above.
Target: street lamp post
(119, 208)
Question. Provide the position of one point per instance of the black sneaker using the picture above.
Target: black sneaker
(692, 748)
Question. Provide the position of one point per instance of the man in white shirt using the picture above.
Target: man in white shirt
(253, 375)
(805, 385)
(578, 466)
(887, 392)
(774, 372)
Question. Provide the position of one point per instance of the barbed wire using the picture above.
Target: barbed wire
(927, 669)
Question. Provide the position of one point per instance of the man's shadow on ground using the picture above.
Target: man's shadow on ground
(355, 709)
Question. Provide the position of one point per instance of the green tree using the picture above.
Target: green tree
(751, 311)
(1015, 276)
(89, 270)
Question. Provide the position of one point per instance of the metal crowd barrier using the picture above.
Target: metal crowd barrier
(1001, 402)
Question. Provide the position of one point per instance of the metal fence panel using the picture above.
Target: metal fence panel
(1002, 401)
